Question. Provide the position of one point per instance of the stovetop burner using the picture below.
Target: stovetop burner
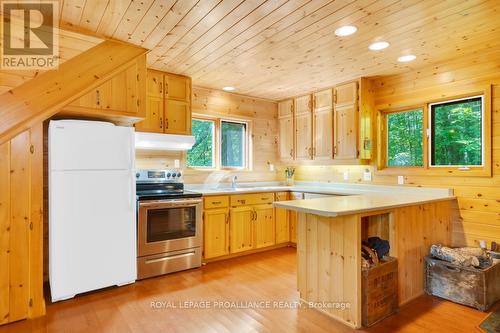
(161, 184)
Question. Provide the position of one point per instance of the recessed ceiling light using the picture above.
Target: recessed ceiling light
(378, 46)
(346, 30)
(229, 88)
(407, 58)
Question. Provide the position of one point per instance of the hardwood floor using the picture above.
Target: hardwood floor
(268, 276)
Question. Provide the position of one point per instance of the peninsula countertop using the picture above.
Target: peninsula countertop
(354, 204)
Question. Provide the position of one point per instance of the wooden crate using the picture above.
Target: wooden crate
(380, 291)
(478, 288)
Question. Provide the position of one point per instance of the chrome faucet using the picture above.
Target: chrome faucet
(233, 181)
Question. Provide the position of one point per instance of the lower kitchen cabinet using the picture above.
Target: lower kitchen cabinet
(244, 222)
(216, 233)
(241, 225)
(293, 227)
(282, 220)
(264, 225)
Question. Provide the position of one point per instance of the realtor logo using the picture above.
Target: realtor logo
(30, 34)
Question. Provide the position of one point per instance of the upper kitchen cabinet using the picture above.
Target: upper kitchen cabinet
(178, 87)
(303, 128)
(346, 121)
(353, 116)
(286, 130)
(331, 124)
(323, 124)
(120, 99)
(168, 106)
(155, 84)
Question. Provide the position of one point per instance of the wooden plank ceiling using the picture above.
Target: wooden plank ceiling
(277, 48)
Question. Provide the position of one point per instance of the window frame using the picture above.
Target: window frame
(383, 136)
(484, 170)
(245, 153)
(430, 128)
(217, 143)
(386, 139)
(214, 139)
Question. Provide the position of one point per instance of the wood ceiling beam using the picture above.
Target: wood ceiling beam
(43, 96)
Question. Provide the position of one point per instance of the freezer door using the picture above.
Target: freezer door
(90, 145)
(92, 231)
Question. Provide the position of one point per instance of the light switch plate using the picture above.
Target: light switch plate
(271, 167)
(401, 180)
(367, 176)
(177, 163)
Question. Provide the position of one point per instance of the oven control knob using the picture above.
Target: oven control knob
(137, 175)
(168, 175)
(178, 174)
(174, 174)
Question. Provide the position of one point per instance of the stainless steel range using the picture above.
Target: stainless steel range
(169, 224)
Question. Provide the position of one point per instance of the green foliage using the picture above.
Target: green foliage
(233, 144)
(404, 138)
(201, 154)
(456, 133)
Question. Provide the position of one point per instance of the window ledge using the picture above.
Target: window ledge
(440, 171)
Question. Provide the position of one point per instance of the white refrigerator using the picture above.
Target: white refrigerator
(92, 208)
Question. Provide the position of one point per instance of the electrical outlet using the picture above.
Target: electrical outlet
(367, 176)
(271, 167)
(401, 180)
(346, 175)
(177, 164)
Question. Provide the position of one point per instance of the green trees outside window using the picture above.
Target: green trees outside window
(233, 144)
(201, 155)
(231, 147)
(404, 138)
(456, 131)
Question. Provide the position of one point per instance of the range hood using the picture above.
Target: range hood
(158, 141)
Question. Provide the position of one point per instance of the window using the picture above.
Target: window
(450, 137)
(201, 155)
(219, 144)
(405, 138)
(233, 144)
(456, 130)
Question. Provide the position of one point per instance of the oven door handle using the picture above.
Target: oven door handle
(152, 261)
(169, 203)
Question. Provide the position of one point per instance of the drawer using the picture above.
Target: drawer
(252, 199)
(216, 201)
(281, 196)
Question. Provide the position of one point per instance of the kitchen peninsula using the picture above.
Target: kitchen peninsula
(329, 235)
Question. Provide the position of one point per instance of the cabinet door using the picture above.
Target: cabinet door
(177, 87)
(303, 105)
(264, 226)
(155, 84)
(293, 227)
(177, 117)
(346, 142)
(285, 108)
(282, 225)
(286, 138)
(293, 217)
(303, 137)
(346, 94)
(323, 135)
(241, 237)
(154, 116)
(216, 233)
